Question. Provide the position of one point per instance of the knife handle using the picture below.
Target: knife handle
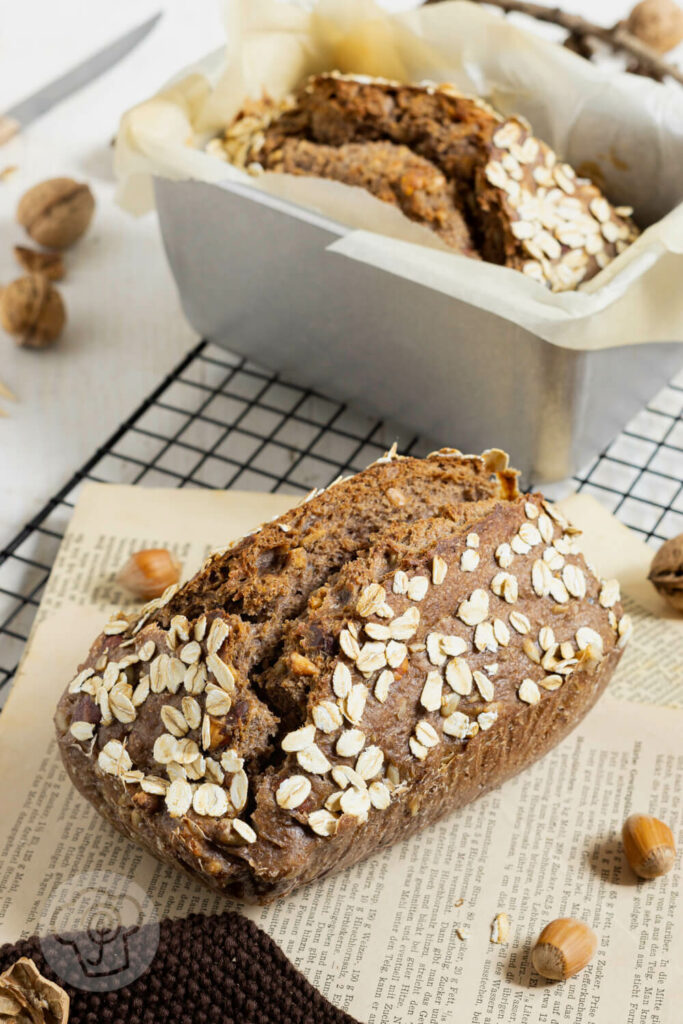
(8, 129)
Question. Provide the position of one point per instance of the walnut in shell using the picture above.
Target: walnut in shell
(666, 572)
(26, 997)
(32, 310)
(657, 23)
(34, 262)
(56, 212)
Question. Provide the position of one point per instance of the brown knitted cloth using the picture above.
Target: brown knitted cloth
(218, 969)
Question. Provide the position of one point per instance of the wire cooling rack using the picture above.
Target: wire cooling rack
(218, 421)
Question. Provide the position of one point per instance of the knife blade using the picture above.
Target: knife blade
(18, 116)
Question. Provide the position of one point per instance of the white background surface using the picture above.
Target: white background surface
(125, 328)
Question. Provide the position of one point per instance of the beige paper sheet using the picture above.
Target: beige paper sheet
(380, 939)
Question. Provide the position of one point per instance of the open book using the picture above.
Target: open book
(404, 936)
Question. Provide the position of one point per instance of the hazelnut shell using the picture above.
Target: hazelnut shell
(649, 845)
(148, 573)
(666, 572)
(564, 947)
(32, 310)
(56, 212)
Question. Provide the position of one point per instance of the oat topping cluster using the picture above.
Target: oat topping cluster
(336, 744)
(193, 779)
(565, 225)
(376, 647)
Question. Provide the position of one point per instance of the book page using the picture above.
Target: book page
(404, 936)
(651, 668)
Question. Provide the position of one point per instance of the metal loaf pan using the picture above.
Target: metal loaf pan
(255, 276)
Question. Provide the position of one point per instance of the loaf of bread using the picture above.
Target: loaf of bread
(484, 183)
(393, 173)
(382, 654)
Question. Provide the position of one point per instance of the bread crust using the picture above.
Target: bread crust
(511, 680)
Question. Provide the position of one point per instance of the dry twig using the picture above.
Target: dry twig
(583, 32)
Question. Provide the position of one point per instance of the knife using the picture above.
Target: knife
(28, 110)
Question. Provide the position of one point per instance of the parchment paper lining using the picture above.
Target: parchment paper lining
(626, 131)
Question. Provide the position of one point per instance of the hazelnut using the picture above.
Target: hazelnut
(25, 995)
(56, 212)
(50, 264)
(649, 845)
(148, 573)
(563, 949)
(657, 23)
(666, 572)
(32, 310)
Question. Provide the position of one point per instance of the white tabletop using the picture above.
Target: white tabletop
(125, 330)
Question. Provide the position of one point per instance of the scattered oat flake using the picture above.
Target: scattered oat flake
(244, 831)
(500, 928)
(400, 585)
(82, 731)
(475, 609)
(355, 802)
(349, 645)
(382, 685)
(372, 657)
(528, 692)
(299, 739)
(405, 626)
(210, 800)
(370, 763)
(341, 680)
(313, 760)
(418, 587)
(350, 743)
(178, 798)
(417, 749)
(609, 593)
(439, 570)
(469, 560)
(323, 823)
(354, 705)
(371, 598)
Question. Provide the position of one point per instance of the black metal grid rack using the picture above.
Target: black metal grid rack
(218, 421)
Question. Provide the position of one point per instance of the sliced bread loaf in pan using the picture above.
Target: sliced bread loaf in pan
(437, 154)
